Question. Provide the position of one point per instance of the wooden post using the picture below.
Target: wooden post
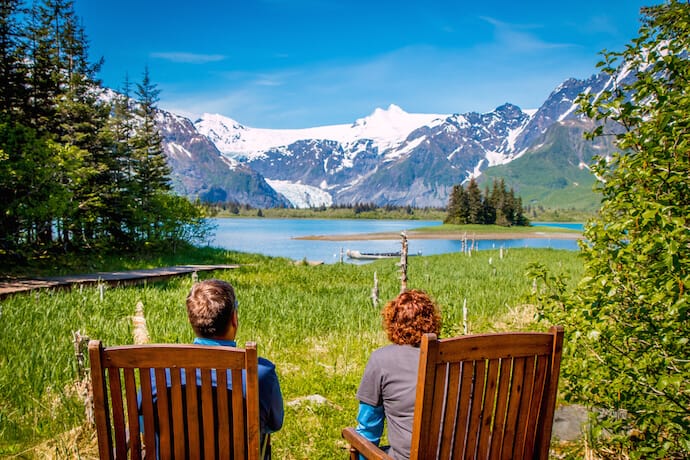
(80, 344)
(101, 288)
(140, 332)
(83, 384)
(403, 263)
(375, 291)
(465, 327)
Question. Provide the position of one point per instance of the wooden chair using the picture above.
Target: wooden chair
(178, 420)
(484, 396)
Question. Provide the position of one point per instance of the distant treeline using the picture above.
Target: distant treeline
(353, 210)
(496, 206)
(79, 168)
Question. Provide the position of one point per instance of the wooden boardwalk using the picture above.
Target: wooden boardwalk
(123, 278)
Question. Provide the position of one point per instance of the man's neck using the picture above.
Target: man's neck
(214, 341)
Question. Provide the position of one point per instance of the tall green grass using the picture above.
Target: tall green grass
(317, 323)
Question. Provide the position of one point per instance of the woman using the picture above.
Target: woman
(388, 386)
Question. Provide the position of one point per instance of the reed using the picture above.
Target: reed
(317, 323)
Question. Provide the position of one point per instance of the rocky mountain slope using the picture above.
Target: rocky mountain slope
(388, 157)
(200, 171)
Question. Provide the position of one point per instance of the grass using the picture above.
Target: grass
(317, 323)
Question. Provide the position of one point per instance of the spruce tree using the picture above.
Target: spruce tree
(454, 205)
(152, 172)
(498, 202)
(121, 203)
(64, 106)
(13, 70)
(475, 204)
(489, 210)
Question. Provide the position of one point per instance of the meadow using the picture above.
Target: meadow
(317, 323)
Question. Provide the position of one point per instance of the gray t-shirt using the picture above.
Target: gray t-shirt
(390, 379)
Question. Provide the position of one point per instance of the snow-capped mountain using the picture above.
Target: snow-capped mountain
(388, 157)
(364, 161)
(200, 171)
(385, 128)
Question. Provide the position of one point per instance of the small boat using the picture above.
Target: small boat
(354, 254)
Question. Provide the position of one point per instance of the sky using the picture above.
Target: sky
(307, 63)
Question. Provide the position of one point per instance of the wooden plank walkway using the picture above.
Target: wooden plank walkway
(123, 278)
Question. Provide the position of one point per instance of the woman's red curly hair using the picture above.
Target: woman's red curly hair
(409, 316)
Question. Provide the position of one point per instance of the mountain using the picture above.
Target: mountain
(385, 128)
(554, 171)
(391, 156)
(200, 171)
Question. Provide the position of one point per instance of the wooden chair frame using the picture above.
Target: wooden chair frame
(487, 396)
(182, 421)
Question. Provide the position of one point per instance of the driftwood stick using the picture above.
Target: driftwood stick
(403, 263)
(465, 327)
(375, 291)
(83, 384)
(80, 344)
(140, 331)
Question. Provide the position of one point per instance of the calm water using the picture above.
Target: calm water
(275, 237)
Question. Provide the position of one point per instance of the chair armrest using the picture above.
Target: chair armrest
(363, 446)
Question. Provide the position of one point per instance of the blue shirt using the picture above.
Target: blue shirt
(271, 412)
(270, 397)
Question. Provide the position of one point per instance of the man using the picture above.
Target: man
(212, 312)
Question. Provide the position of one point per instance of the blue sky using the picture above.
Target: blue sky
(305, 63)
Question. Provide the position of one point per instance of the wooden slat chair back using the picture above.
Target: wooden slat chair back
(489, 396)
(182, 421)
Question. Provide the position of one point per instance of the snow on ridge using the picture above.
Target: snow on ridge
(393, 154)
(386, 128)
(300, 195)
(232, 163)
(565, 114)
(496, 158)
(513, 135)
(176, 148)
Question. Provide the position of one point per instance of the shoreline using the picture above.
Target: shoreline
(446, 235)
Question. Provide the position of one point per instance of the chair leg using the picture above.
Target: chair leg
(354, 455)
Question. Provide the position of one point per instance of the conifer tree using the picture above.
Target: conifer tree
(498, 202)
(475, 204)
(493, 207)
(453, 209)
(13, 71)
(489, 210)
(120, 205)
(457, 206)
(64, 105)
(152, 172)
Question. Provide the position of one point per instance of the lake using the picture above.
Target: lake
(275, 237)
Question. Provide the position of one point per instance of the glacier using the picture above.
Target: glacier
(300, 195)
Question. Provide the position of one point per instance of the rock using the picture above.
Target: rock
(569, 422)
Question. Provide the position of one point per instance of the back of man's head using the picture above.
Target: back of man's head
(210, 305)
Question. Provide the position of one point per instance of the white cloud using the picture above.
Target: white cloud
(420, 79)
(516, 37)
(189, 58)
